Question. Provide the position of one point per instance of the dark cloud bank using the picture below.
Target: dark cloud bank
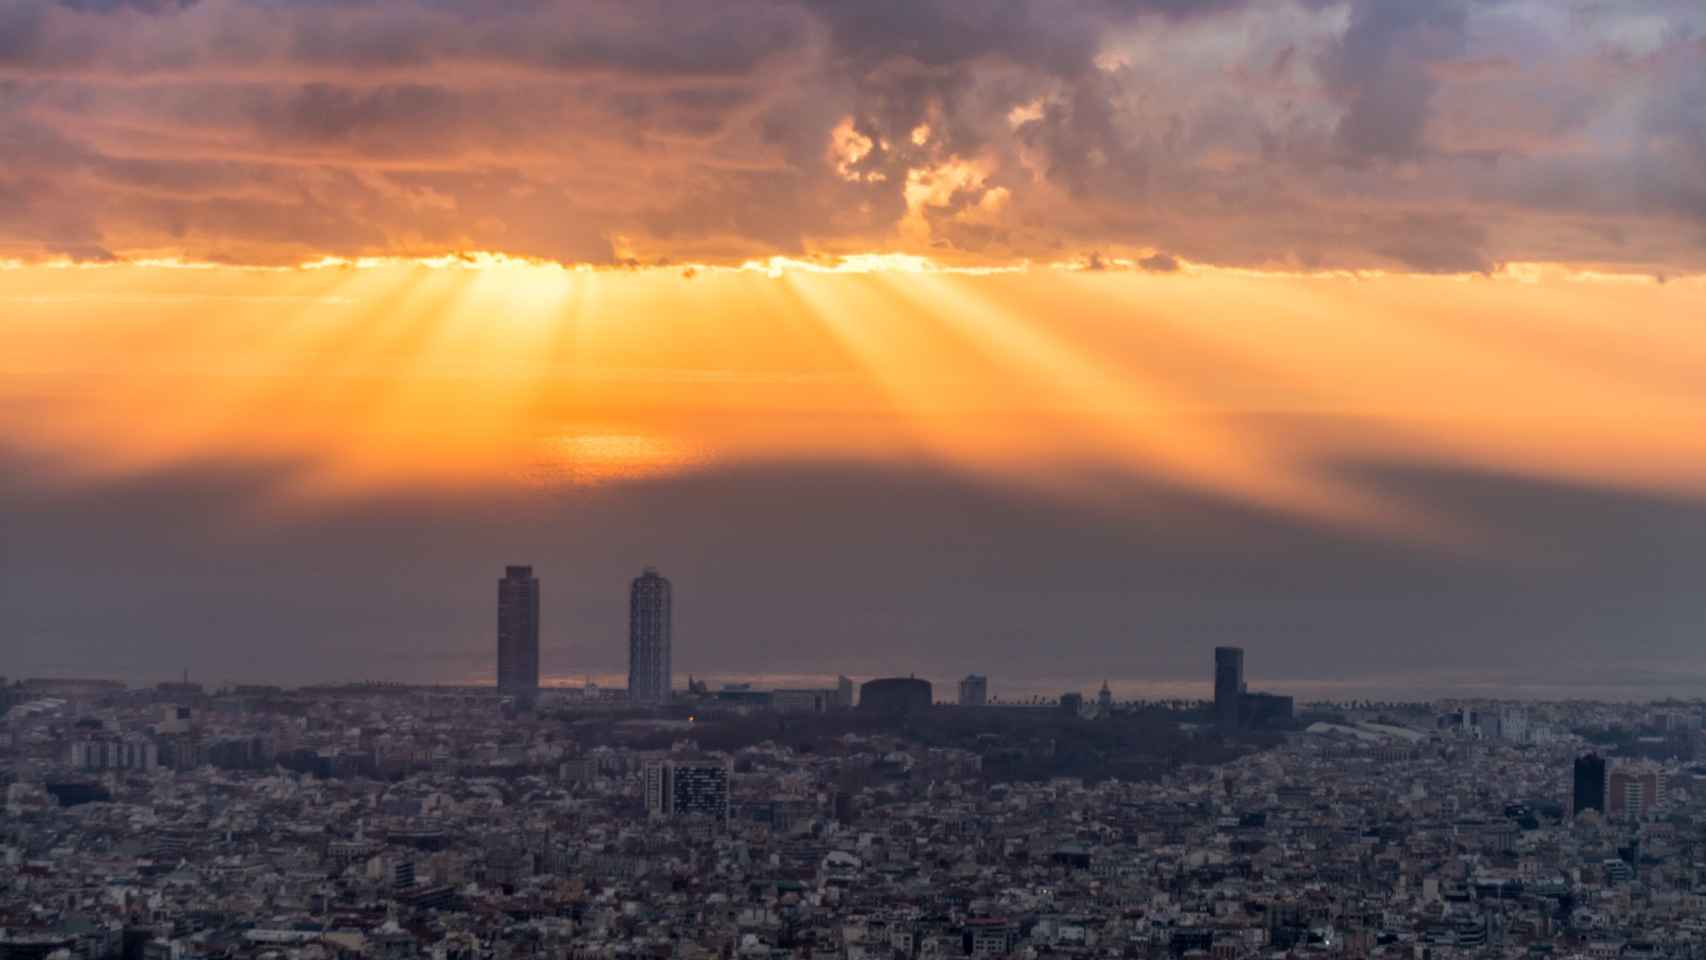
(827, 567)
(1432, 135)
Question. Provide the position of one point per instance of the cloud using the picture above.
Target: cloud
(1450, 244)
(1304, 133)
(1381, 68)
(109, 6)
(1096, 262)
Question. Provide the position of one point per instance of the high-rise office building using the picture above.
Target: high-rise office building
(518, 633)
(649, 639)
(699, 788)
(1228, 687)
(688, 788)
(1589, 793)
(974, 690)
(655, 776)
(1633, 790)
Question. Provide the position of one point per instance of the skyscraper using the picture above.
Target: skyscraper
(648, 639)
(1228, 687)
(518, 633)
(974, 690)
(1589, 793)
(1633, 790)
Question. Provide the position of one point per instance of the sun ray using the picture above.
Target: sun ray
(469, 372)
(1158, 430)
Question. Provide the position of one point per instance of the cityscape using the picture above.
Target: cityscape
(869, 819)
(852, 479)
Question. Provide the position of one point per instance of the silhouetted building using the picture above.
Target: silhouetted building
(1228, 687)
(518, 633)
(649, 639)
(843, 693)
(75, 794)
(1072, 704)
(974, 691)
(257, 690)
(1265, 711)
(1589, 793)
(181, 689)
(745, 695)
(802, 701)
(895, 695)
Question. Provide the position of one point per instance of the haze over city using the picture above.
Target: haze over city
(1055, 341)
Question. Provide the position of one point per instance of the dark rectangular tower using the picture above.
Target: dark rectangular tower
(518, 633)
(649, 639)
(1589, 793)
(1228, 687)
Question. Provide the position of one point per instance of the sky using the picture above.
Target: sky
(1056, 341)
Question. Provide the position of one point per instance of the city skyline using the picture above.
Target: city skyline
(650, 680)
(417, 812)
(963, 479)
(1069, 341)
(415, 816)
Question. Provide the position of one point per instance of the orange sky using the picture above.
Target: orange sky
(1258, 387)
